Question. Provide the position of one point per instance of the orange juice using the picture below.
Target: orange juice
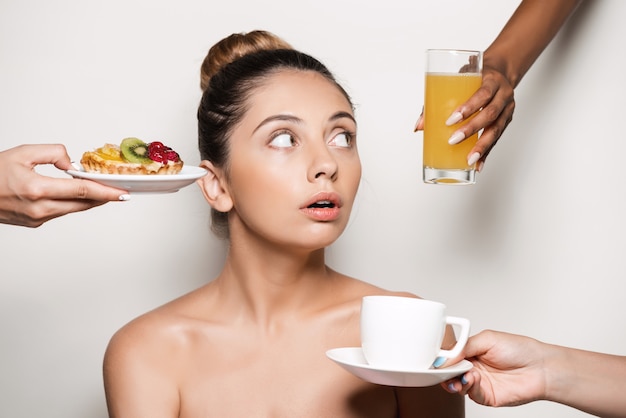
(444, 92)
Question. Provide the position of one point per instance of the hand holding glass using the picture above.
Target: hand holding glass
(452, 77)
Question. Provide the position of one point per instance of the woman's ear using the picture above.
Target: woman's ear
(214, 188)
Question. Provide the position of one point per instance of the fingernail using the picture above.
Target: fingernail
(124, 197)
(439, 361)
(418, 122)
(473, 158)
(454, 118)
(463, 380)
(480, 166)
(456, 137)
(452, 388)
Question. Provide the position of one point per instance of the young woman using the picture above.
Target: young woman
(278, 137)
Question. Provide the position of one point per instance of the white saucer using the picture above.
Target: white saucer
(157, 183)
(352, 359)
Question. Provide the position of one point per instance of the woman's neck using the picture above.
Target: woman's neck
(266, 283)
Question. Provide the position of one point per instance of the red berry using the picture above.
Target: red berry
(155, 145)
(158, 156)
(162, 153)
(171, 155)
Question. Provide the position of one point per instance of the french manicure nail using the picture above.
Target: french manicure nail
(124, 197)
(473, 158)
(454, 118)
(418, 122)
(456, 137)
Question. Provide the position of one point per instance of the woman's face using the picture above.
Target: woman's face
(294, 168)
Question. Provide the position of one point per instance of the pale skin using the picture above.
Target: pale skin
(31, 199)
(252, 342)
(528, 32)
(513, 370)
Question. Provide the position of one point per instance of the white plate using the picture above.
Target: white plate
(155, 183)
(352, 359)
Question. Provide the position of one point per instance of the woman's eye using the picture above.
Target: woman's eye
(283, 140)
(343, 139)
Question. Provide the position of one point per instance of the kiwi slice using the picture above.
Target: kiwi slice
(135, 150)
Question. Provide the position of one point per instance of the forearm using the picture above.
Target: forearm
(591, 382)
(527, 33)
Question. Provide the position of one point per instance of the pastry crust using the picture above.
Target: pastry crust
(107, 160)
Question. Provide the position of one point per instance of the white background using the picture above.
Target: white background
(535, 247)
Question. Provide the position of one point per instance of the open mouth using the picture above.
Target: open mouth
(322, 204)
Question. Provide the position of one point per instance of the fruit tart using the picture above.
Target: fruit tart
(132, 156)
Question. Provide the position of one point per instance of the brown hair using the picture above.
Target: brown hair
(236, 46)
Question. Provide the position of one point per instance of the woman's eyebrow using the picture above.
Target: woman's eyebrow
(289, 118)
(341, 115)
(295, 119)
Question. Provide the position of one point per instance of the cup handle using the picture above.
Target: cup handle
(464, 325)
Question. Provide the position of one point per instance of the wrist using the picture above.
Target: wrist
(559, 373)
(499, 63)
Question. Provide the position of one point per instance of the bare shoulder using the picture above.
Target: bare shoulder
(136, 347)
(348, 293)
(353, 288)
(148, 330)
(341, 309)
(146, 358)
(162, 331)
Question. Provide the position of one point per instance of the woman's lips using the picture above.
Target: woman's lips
(323, 206)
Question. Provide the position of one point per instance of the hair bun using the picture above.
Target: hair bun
(236, 46)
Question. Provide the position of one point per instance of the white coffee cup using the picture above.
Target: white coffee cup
(406, 333)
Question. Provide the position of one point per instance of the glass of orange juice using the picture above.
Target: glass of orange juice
(452, 76)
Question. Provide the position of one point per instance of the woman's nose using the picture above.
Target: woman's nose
(323, 164)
